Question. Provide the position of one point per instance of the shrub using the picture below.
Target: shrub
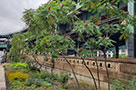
(122, 85)
(35, 75)
(48, 77)
(63, 78)
(17, 76)
(43, 75)
(20, 65)
(33, 68)
(17, 85)
(46, 59)
(54, 77)
(47, 84)
(7, 66)
(34, 81)
(17, 66)
(118, 85)
(123, 56)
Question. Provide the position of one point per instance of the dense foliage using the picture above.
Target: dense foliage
(45, 36)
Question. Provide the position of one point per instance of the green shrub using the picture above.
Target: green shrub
(63, 78)
(20, 65)
(123, 56)
(7, 66)
(132, 85)
(48, 76)
(44, 75)
(35, 75)
(16, 85)
(46, 59)
(34, 81)
(17, 66)
(118, 85)
(47, 84)
(54, 77)
(122, 85)
(33, 68)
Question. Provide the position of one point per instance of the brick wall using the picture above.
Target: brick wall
(123, 68)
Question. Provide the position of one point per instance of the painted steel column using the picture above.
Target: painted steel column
(131, 43)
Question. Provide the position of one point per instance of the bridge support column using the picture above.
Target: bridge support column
(131, 44)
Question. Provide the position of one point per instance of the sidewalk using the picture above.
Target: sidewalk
(2, 79)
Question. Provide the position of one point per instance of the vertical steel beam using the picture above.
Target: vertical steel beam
(131, 43)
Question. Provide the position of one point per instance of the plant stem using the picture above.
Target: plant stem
(78, 86)
(90, 73)
(37, 62)
(53, 66)
(108, 79)
(98, 74)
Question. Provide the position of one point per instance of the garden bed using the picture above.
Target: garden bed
(20, 76)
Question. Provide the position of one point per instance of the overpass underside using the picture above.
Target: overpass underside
(2, 48)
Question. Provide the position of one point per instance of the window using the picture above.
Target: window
(109, 66)
(93, 63)
(100, 64)
(87, 63)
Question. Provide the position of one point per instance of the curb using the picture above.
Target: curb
(2, 78)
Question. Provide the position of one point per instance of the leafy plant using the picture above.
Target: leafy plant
(124, 85)
(123, 56)
(46, 58)
(47, 84)
(35, 81)
(16, 66)
(48, 76)
(16, 85)
(17, 76)
(17, 47)
(63, 78)
(20, 65)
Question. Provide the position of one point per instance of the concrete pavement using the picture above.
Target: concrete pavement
(2, 78)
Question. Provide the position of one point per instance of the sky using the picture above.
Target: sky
(11, 12)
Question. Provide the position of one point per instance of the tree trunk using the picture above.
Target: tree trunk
(90, 73)
(39, 69)
(98, 74)
(78, 86)
(108, 79)
(52, 68)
